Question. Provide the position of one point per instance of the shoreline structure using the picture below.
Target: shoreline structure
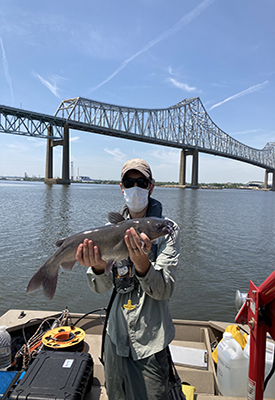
(213, 186)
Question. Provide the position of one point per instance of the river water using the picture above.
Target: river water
(227, 239)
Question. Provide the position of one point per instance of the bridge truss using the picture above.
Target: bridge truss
(185, 125)
(28, 123)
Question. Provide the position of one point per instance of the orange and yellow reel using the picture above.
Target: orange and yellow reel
(68, 338)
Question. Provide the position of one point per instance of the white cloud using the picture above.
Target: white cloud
(51, 83)
(171, 72)
(36, 142)
(17, 147)
(6, 70)
(74, 138)
(117, 154)
(183, 86)
(252, 89)
(176, 80)
(247, 132)
(179, 25)
(166, 156)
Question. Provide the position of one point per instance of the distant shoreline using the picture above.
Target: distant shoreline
(212, 186)
(241, 187)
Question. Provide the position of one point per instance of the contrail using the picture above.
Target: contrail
(52, 87)
(180, 24)
(6, 70)
(243, 93)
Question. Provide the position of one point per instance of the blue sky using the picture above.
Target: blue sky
(147, 53)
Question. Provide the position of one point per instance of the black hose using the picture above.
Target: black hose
(90, 312)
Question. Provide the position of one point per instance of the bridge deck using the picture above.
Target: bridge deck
(185, 126)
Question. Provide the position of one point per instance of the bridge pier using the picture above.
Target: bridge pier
(65, 180)
(182, 177)
(266, 179)
(49, 157)
(195, 167)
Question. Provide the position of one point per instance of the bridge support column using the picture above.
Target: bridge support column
(182, 177)
(195, 170)
(49, 158)
(195, 167)
(66, 156)
(266, 179)
(65, 180)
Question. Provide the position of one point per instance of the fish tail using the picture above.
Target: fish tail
(41, 277)
(109, 267)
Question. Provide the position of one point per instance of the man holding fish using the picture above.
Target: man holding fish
(139, 325)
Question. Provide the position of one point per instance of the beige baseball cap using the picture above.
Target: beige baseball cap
(139, 165)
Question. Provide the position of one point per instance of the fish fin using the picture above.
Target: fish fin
(108, 267)
(49, 286)
(115, 217)
(42, 278)
(36, 281)
(60, 242)
(143, 247)
(142, 242)
(68, 265)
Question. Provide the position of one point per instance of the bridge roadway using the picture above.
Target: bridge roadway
(186, 126)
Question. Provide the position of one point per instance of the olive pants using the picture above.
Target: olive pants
(126, 379)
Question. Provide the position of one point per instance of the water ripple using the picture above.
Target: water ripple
(227, 238)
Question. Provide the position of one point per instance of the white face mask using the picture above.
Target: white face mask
(136, 198)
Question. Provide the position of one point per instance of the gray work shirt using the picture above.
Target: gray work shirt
(148, 328)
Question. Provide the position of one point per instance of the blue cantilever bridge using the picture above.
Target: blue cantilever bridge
(186, 126)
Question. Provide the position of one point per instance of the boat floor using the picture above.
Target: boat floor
(189, 334)
(201, 379)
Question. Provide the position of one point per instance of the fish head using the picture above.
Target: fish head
(157, 227)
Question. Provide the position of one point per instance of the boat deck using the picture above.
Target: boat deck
(194, 335)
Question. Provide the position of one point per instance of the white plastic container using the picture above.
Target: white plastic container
(5, 348)
(269, 392)
(232, 367)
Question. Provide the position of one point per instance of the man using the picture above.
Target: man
(140, 326)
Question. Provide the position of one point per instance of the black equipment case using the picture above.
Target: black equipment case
(56, 375)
